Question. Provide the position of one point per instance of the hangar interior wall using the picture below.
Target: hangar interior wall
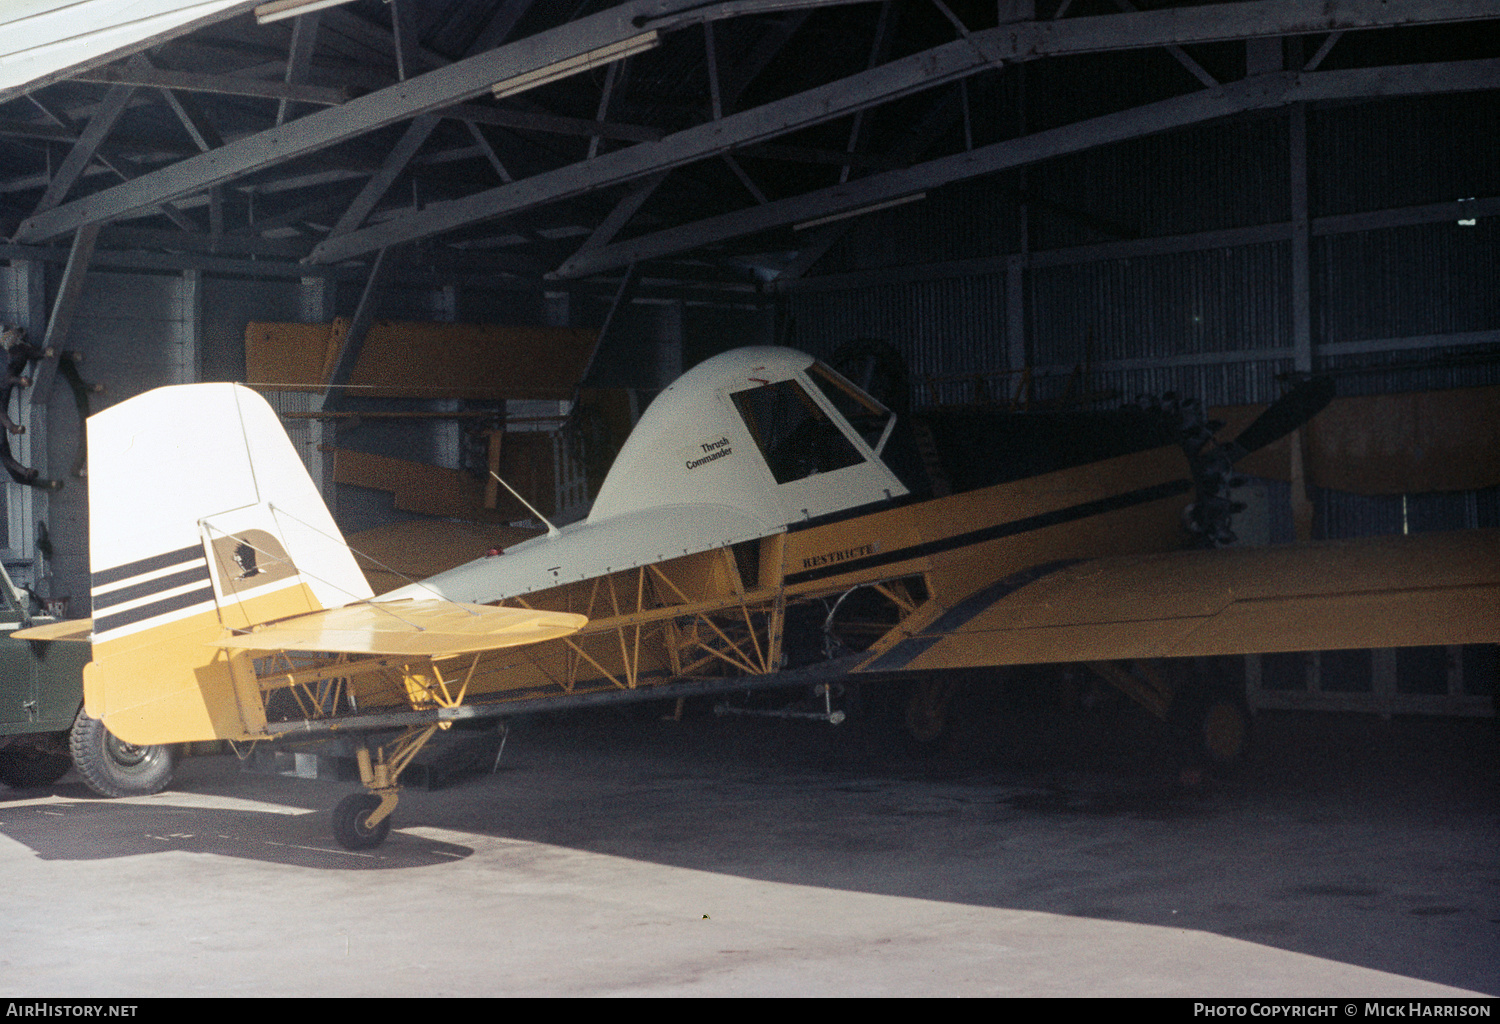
(1213, 262)
(142, 330)
(1208, 261)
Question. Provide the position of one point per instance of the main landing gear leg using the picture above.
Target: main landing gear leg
(361, 821)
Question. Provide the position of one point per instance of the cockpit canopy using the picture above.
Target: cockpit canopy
(742, 446)
(768, 430)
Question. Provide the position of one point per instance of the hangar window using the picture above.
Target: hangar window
(795, 436)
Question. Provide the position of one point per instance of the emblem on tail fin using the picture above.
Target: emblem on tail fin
(244, 557)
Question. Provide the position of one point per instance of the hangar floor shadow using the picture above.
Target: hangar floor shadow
(1352, 840)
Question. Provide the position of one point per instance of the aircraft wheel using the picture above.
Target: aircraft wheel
(929, 715)
(1216, 726)
(112, 767)
(349, 819)
(29, 767)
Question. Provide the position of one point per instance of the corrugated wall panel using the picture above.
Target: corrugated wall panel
(1385, 373)
(1232, 174)
(1217, 300)
(1403, 152)
(228, 305)
(1221, 384)
(942, 327)
(1415, 280)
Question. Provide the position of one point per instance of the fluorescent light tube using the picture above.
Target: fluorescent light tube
(580, 63)
(859, 211)
(279, 9)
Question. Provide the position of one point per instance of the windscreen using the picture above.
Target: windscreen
(795, 437)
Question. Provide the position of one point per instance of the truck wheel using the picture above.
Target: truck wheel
(30, 768)
(112, 767)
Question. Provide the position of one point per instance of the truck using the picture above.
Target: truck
(44, 727)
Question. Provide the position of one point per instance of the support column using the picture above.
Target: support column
(189, 369)
(668, 342)
(318, 300)
(1301, 244)
(319, 305)
(381, 274)
(1301, 284)
(557, 309)
(23, 504)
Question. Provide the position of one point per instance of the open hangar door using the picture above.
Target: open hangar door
(1036, 207)
(1032, 203)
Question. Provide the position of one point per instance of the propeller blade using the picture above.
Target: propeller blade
(1285, 415)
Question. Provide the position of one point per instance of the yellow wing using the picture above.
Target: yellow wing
(415, 627)
(1431, 589)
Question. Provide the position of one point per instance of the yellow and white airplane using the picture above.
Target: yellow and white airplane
(751, 533)
(226, 605)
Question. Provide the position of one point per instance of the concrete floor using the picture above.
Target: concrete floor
(617, 854)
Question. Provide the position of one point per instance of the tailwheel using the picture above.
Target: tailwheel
(361, 821)
(354, 824)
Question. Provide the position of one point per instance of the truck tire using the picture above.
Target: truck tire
(112, 767)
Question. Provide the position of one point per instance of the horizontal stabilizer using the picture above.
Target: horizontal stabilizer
(419, 628)
(68, 629)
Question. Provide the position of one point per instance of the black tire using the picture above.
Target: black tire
(1215, 727)
(31, 768)
(928, 715)
(349, 819)
(112, 767)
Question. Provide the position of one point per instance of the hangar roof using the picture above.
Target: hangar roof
(724, 143)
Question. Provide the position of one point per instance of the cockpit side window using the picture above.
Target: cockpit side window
(871, 419)
(796, 438)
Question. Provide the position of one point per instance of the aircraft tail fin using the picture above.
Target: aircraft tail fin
(202, 520)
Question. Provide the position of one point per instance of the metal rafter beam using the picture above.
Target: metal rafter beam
(204, 135)
(237, 85)
(1178, 53)
(298, 58)
(37, 130)
(69, 294)
(472, 77)
(380, 183)
(224, 85)
(404, 33)
(427, 93)
(946, 63)
(736, 80)
(89, 141)
(502, 23)
(1262, 93)
(417, 132)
